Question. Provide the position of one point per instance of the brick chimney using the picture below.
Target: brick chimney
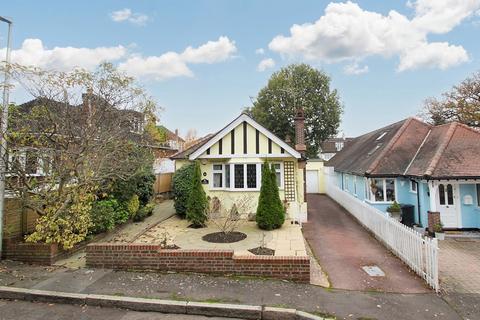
(300, 131)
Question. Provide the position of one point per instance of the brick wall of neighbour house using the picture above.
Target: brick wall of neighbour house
(218, 262)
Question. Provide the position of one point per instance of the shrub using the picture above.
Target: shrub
(395, 207)
(133, 205)
(102, 215)
(270, 211)
(121, 213)
(144, 212)
(182, 187)
(140, 184)
(197, 201)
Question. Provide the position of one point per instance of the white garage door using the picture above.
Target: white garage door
(312, 181)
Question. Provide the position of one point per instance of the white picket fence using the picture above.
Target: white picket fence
(418, 252)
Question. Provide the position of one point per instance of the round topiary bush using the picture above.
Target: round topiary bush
(182, 187)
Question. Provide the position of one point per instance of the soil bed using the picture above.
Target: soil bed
(262, 251)
(220, 237)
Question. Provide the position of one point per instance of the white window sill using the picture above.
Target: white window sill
(379, 202)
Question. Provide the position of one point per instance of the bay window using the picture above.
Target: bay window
(241, 176)
(382, 190)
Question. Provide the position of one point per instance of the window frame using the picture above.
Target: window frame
(231, 183)
(371, 197)
(413, 183)
(218, 171)
(478, 193)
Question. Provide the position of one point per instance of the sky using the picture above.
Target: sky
(204, 61)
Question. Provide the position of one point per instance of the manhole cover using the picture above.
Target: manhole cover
(373, 271)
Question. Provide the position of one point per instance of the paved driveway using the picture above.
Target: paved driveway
(343, 246)
(459, 264)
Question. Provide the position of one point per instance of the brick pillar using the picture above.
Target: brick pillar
(433, 219)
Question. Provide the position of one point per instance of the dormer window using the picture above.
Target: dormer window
(339, 146)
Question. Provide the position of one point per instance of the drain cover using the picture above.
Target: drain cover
(373, 271)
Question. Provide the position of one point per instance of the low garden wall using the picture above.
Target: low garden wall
(37, 253)
(217, 262)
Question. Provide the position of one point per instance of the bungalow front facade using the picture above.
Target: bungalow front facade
(433, 168)
(231, 161)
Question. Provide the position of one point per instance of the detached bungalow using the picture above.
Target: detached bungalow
(231, 162)
(434, 168)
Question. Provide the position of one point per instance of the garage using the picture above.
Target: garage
(312, 181)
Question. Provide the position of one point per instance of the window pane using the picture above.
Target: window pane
(217, 180)
(449, 194)
(378, 189)
(278, 176)
(217, 167)
(441, 193)
(227, 176)
(251, 175)
(276, 166)
(390, 189)
(238, 176)
(413, 186)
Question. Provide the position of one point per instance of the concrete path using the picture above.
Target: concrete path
(344, 304)
(14, 310)
(343, 247)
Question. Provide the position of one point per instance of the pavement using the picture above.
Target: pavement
(343, 304)
(342, 247)
(14, 310)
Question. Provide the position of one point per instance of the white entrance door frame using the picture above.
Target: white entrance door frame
(450, 213)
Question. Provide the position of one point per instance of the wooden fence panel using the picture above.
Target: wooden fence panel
(163, 183)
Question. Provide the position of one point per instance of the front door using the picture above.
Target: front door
(447, 205)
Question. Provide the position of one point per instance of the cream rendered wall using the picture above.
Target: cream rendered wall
(318, 166)
(229, 197)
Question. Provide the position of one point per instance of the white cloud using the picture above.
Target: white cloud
(266, 64)
(355, 69)
(346, 32)
(127, 15)
(173, 64)
(34, 53)
(260, 51)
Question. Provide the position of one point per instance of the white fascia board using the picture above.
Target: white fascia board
(243, 117)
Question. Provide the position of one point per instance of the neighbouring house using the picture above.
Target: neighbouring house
(231, 162)
(331, 146)
(173, 140)
(433, 168)
(163, 151)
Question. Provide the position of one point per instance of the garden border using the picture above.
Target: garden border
(134, 256)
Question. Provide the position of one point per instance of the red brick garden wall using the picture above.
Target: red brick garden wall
(38, 253)
(218, 262)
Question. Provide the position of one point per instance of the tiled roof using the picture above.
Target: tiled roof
(413, 148)
(185, 153)
(329, 145)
